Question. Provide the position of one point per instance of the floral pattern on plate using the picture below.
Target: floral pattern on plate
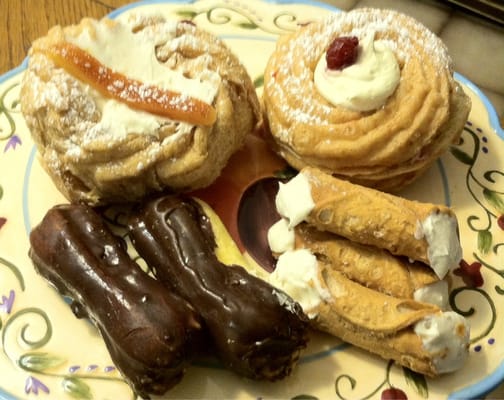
(47, 352)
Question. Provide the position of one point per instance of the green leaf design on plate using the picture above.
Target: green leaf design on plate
(1, 191)
(462, 156)
(77, 388)
(495, 199)
(484, 241)
(39, 361)
(15, 270)
(417, 381)
(259, 81)
(187, 14)
(304, 397)
(247, 25)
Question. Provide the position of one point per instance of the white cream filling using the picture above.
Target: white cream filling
(446, 337)
(296, 273)
(133, 55)
(444, 251)
(293, 200)
(436, 293)
(365, 85)
(280, 237)
(117, 117)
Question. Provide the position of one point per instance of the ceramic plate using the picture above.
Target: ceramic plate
(48, 353)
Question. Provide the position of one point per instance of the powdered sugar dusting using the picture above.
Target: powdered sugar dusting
(89, 117)
(405, 35)
(296, 57)
(77, 128)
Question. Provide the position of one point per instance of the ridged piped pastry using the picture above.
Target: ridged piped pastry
(380, 121)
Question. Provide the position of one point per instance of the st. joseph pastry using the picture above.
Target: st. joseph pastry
(122, 108)
(367, 95)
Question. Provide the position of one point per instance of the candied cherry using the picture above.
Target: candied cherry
(342, 52)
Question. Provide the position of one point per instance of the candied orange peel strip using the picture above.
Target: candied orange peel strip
(134, 93)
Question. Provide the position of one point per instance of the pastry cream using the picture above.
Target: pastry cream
(296, 273)
(133, 54)
(435, 293)
(365, 85)
(293, 200)
(444, 251)
(445, 336)
(280, 237)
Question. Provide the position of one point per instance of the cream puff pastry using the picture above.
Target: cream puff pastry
(122, 108)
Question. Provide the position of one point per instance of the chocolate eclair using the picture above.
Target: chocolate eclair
(258, 331)
(149, 331)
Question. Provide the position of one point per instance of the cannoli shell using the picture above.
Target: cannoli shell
(369, 266)
(373, 321)
(369, 216)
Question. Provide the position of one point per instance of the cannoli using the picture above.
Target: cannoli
(122, 108)
(374, 268)
(377, 319)
(415, 334)
(150, 332)
(258, 331)
(334, 248)
(378, 112)
(419, 231)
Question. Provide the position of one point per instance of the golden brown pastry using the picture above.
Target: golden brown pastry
(380, 121)
(333, 246)
(419, 231)
(417, 335)
(122, 108)
(369, 266)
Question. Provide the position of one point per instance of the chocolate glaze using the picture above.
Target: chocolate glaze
(258, 331)
(149, 331)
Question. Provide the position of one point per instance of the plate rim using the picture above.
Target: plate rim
(478, 389)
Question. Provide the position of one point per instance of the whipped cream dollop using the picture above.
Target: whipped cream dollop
(296, 273)
(280, 237)
(365, 85)
(133, 54)
(435, 293)
(446, 337)
(294, 200)
(444, 251)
